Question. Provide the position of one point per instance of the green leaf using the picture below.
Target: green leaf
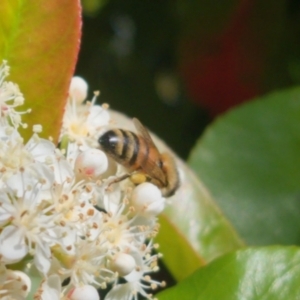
(178, 254)
(193, 229)
(250, 274)
(36, 281)
(40, 40)
(249, 159)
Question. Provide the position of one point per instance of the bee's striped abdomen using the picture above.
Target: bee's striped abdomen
(125, 147)
(130, 148)
(124, 151)
(136, 149)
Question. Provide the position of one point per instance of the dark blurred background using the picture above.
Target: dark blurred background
(178, 64)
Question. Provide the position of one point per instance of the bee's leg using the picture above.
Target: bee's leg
(137, 177)
(123, 177)
(118, 179)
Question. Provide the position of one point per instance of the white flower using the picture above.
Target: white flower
(138, 282)
(29, 228)
(10, 98)
(16, 157)
(118, 232)
(147, 200)
(83, 122)
(73, 204)
(88, 265)
(125, 291)
(78, 90)
(50, 289)
(13, 284)
(84, 292)
(66, 210)
(13, 154)
(91, 164)
(123, 263)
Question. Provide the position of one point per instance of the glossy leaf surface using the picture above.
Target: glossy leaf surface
(249, 160)
(270, 273)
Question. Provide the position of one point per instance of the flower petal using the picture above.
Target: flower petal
(120, 292)
(42, 258)
(12, 244)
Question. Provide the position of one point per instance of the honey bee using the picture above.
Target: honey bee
(139, 155)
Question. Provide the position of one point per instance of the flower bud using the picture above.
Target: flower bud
(22, 280)
(84, 292)
(123, 264)
(147, 199)
(91, 164)
(78, 89)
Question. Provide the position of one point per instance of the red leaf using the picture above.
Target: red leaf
(40, 39)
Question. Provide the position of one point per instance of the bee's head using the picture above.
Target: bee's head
(108, 141)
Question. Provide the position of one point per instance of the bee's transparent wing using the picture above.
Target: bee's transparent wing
(143, 131)
(154, 161)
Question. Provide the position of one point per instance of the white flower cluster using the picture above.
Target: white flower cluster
(64, 227)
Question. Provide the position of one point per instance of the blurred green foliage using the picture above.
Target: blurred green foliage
(91, 7)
